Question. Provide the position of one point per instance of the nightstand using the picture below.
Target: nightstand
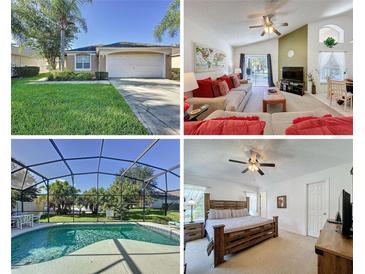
(193, 231)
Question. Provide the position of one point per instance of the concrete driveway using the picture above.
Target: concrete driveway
(154, 101)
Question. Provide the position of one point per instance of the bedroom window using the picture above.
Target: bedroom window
(332, 66)
(253, 203)
(195, 193)
(83, 62)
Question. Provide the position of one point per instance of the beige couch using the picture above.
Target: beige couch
(276, 123)
(235, 100)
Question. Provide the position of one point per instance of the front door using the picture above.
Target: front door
(318, 207)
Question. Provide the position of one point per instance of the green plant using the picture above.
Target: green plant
(26, 71)
(84, 76)
(170, 22)
(175, 74)
(330, 42)
(68, 75)
(101, 75)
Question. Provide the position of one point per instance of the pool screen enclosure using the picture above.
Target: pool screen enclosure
(102, 180)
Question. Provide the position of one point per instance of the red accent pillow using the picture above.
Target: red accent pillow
(246, 118)
(322, 126)
(224, 127)
(186, 106)
(227, 79)
(305, 118)
(185, 98)
(235, 81)
(223, 88)
(205, 89)
(215, 86)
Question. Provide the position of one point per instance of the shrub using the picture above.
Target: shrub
(175, 74)
(26, 71)
(101, 75)
(68, 75)
(84, 76)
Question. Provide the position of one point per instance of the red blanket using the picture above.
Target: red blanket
(322, 126)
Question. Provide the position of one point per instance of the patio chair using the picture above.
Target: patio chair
(337, 91)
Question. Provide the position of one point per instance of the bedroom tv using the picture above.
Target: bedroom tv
(293, 73)
(346, 214)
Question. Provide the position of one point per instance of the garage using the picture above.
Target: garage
(143, 65)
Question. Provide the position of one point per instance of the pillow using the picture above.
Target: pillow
(243, 118)
(322, 126)
(223, 213)
(211, 214)
(224, 127)
(216, 91)
(305, 118)
(205, 89)
(237, 213)
(245, 212)
(223, 88)
(227, 80)
(235, 81)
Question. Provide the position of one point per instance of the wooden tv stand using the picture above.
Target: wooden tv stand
(292, 86)
(334, 251)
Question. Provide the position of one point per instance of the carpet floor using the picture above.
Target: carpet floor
(294, 103)
(288, 254)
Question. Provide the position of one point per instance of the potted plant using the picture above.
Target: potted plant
(311, 79)
(330, 42)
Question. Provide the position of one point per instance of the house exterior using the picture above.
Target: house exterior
(122, 59)
(25, 56)
(175, 57)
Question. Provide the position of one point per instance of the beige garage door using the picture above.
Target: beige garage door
(135, 65)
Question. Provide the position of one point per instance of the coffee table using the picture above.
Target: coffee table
(273, 99)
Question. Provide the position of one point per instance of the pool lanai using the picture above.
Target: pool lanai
(95, 205)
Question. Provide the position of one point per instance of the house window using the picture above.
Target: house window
(333, 31)
(332, 66)
(253, 203)
(196, 194)
(83, 62)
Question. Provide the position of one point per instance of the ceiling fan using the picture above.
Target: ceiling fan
(268, 26)
(253, 163)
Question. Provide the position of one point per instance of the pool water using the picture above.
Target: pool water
(53, 242)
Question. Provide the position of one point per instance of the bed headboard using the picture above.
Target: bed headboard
(223, 204)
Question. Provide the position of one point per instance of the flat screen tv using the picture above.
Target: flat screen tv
(346, 214)
(293, 73)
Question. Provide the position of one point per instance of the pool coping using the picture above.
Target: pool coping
(153, 226)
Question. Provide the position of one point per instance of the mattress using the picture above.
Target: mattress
(235, 224)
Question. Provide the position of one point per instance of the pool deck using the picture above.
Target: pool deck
(112, 256)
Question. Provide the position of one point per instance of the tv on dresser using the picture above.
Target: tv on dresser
(293, 80)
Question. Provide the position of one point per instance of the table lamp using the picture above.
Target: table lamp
(190, 82)
(238, 71)
(191, 203)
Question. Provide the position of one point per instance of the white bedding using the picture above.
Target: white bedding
(235, 224)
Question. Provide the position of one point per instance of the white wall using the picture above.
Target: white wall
(266, 47)
(193, 33)
(294, 217)
(314, 47)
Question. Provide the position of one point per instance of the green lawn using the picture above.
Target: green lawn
(70, 109)
(152, 215)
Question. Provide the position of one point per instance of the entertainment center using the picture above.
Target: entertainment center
(292, 80)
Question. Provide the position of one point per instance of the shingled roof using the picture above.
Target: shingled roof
(120, 45)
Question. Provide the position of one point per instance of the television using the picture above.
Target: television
(293, 73)
(346, 214)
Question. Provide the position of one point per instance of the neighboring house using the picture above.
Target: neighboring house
(123, 59)
(175, 57)
(25, 56)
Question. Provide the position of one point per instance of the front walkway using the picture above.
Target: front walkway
(155, 102)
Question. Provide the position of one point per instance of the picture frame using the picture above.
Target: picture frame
(207, 59)
(281, 201)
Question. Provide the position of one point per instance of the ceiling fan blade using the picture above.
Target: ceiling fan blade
(266, 19)
(235, 161)
(258, 26)
(284, 24)
(263, 33)
(276, 31)
(260, 171)
(267, 164)
(244, 171)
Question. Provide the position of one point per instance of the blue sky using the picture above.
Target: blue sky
(165, 154)
(111, 21)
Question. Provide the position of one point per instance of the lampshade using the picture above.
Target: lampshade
(237, 70)
(190, 82)
(191, 202)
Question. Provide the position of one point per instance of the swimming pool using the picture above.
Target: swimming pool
(53, 242)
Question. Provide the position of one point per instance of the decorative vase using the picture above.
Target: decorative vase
(313, 88)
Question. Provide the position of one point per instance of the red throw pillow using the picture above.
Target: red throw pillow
(224, 127)
(246, 118)
(227, 79)
(322, 126)
(305, 118)
(185, 98)
(223, 88)
(235, 81)
(205, 89)
(186, 106)
(216, 91)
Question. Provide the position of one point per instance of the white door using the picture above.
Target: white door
(318, 207)
(136, 65)
(263, 206)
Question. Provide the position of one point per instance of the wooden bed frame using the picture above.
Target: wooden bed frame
(232, 242)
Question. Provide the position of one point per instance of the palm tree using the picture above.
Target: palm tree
(67, 14)
(170, 22)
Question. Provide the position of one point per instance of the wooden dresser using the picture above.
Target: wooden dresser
(193, 231)
(334, 251)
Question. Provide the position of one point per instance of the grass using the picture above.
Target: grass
(152, 215)
(70, 109)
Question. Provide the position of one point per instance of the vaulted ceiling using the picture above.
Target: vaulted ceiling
(230, 20)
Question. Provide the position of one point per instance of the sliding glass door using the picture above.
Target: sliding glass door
(256, 70)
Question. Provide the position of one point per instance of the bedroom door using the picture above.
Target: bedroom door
(263, 209)
(317, 207)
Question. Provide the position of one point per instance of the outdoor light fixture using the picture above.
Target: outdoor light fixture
(191, 203)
